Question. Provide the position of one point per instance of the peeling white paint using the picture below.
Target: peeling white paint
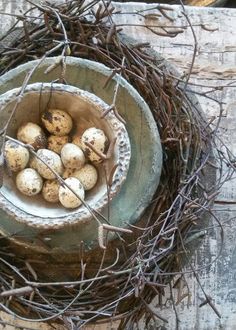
(216, 60)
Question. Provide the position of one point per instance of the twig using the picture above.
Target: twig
(17, 292)
(146, 262)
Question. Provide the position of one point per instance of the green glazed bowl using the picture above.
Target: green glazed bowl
(145, 164)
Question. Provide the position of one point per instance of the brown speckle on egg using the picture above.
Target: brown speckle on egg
(16, 156)
(68, 172)
(29, 182)
(87, 175)
(53, 160)
(72, 156)
(57, 122)
(98, 139)
(33, 162)
(50, 191)
(67, 198)
(31, 133)
(77, 140)
(55, 143)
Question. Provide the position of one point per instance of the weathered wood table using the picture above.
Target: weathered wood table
(215, 65)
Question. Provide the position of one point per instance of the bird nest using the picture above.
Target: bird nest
(133, 269)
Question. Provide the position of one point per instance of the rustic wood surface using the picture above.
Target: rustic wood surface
(215, 65)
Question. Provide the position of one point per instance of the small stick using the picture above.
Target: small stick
(111, 33)
(1, 168)
(98, 13)
(100, 237)
(109, 228)
(114, 263)
(109, 109)
(46, 21)
(17, 292)
(111, 148)
(110, 179)
(113, 105)
(209, 301)
(66, 41)
(153, 311)
(111, 76)
(13, 284)
(54, 65)
(98, 153)
(116, 229)
(31, 270)
(118, 116)
(27, 36)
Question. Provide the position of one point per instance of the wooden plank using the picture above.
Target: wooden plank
(215, 65)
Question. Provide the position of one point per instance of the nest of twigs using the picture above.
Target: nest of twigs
(131, 271)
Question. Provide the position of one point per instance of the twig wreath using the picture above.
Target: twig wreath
(132, 269)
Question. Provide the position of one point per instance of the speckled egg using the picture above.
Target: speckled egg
(98, 139)
(50, 191)
(53, 160)
(68, 172)
(67, 198)
(29, 182)
(16, 156)
(72, 156)
(32, 134)
(77, 140)
(33, 162)
(57, 122)
(87, 175)
(55, 143)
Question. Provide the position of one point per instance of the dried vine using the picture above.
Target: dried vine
(143, 265)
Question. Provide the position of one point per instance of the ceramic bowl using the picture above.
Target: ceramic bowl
(145, 164)
(86, 110)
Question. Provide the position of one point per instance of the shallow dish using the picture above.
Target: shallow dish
(146, 159)
(86, 110)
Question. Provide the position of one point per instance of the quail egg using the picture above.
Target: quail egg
(16, 156)
(68, 172)
(55, 143)
(77, 140)
(29, 182)
(87, 175)
(50, 191)
(72, 156)
(98, 139)
(67, 198)
(33, 162)
(57, 122)
(32, 134)
(53, 160)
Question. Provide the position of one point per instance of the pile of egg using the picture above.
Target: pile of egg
(74, 161)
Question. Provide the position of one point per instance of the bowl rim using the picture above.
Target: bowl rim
(81, 214)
